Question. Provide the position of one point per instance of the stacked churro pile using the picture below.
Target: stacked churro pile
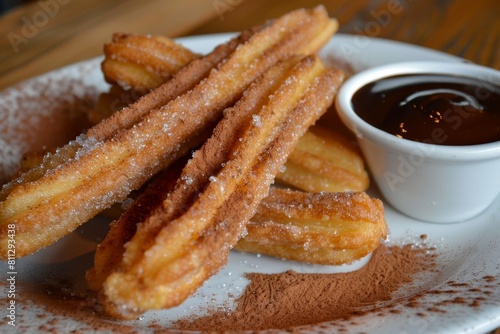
(245, 110)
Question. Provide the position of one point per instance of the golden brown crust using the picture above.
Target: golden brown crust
(121, 153)
(322, 228)
(187, 240)
(109, 252)
(325, 161)
(187, 78)
(143, 61)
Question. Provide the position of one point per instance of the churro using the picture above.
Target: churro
(322, 228)
(143, 62)
(325, 161)
(122, 152)
(109, 252)
(134, 65)
(188, 238)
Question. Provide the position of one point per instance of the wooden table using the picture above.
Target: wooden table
(47, 34)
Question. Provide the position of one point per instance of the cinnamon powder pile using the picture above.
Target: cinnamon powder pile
(386, 285)
(292, 299)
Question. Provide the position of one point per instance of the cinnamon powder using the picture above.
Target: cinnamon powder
(385, 286)
(292, 299)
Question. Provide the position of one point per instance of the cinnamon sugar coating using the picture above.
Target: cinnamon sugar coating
(124, 151)
(187, 239)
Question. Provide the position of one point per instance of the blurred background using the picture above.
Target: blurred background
(42, 35)
(5, 5)
(37, 36)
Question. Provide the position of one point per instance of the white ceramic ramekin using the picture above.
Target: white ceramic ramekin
(434, 183)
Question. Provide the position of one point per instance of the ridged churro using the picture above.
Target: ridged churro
(122, 152)
(109, 252)
(325, 161)
(188, 238)
(134, 65)
(322, 228)
(143, 62)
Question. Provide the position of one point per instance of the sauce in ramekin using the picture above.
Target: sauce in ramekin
(432, 108)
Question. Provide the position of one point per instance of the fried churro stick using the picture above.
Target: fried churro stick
(188, 238)
(321, 228)
(325, 161)
(109, 252)
(322, 161)
(143, 62)
(121, 153)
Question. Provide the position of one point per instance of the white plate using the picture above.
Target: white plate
(470, 249)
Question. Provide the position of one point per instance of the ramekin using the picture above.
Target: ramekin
(429, 182)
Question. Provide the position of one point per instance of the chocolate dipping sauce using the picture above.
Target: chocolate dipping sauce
(432, 108)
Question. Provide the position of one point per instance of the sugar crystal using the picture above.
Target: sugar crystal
(256, 120)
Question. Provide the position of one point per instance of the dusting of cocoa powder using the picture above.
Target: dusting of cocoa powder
(292, 299)
(404, 280)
